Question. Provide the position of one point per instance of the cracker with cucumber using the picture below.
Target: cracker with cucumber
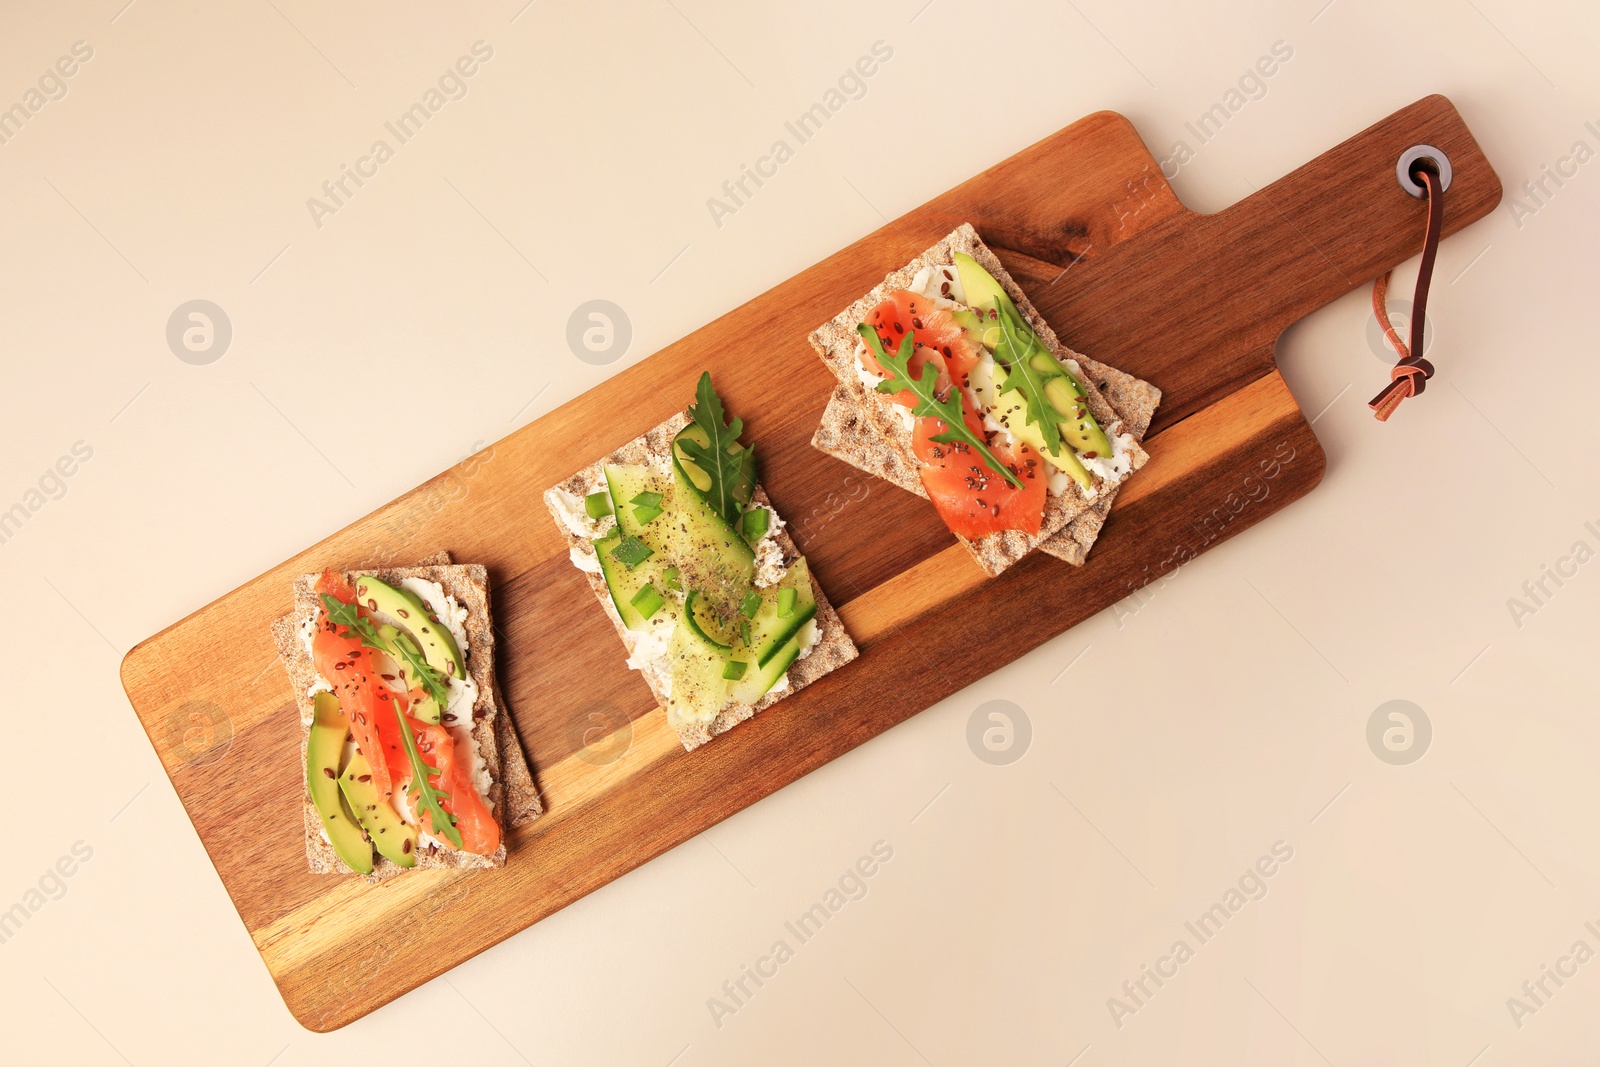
(410, 759)
(715, 605)
(952, 386)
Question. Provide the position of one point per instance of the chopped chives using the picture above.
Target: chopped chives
(647, 499)
(750, 604)
(631, 552)
(787, 598)
(669, 578)
(733, 670)
(647, 601)
(645, 515)
(744, 630)
(598, 505)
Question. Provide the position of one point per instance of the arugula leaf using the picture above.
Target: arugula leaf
(424, 797)
(433, 683)
(929, 405)
(403, 648)
(730, 465)
(1018, 345)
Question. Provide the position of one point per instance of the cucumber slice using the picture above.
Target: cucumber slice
(625, 583)
(711, 556)
(770, 630)
(629, 482)
(698, 481)
(704, 625)
(757, 682)
(699, 691)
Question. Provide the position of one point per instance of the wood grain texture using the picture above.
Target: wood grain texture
(1193, 303)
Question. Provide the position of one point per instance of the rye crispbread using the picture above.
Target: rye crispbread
(833, 647)
(512, 792)
(842, 434)
(864, 428)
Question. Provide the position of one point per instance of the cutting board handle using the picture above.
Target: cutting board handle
(1343, 219)
(1198, 302)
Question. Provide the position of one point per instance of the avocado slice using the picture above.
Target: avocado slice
(394, 838)
(1011, 411)
(978, 331)
(432, 637)
(426, 708)
(978, 285)
(324, 752)
(1078, 427)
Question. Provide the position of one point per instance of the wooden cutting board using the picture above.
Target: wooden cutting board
(1123, 271)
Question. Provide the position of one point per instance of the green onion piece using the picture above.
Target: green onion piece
(733, 670)
(755, 524)
(669, 578)
(647, 601)
(598, 505)
(631, 552)
(786, 602)
(646, 515)
(647, 500)
(750, 604)
(744, 630)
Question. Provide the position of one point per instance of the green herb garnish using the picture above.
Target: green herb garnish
(755, 524)
(644, 516)
(744, 630)
(787, 599)
(647, 499)
(730, 465)
(750, 604)
(1018, 345)
(924, 389)
(598, 505)
(401, 648)
(424, 797)
(669, 579)
(647, 601)
(631, 552)
(733, 670)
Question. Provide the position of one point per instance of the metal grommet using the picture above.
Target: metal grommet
(1410, 157)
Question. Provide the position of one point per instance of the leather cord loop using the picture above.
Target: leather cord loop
(1410, 375)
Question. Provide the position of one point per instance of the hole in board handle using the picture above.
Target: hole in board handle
(1421, 156)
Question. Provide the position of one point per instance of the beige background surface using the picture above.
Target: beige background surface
(1174, 740)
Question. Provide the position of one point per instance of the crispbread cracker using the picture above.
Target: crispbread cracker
(833, 648)
(845, 434)
(512, 793)
(860, 426)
